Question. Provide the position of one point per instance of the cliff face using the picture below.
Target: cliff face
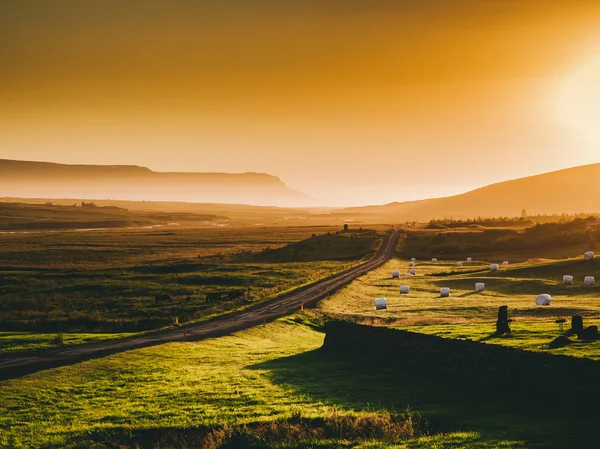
(130, 182)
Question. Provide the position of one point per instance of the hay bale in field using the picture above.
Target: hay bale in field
(568, 279)
(411, 264)
(444, 292)
(413, 272)
(413, 259)
(395, 274)
(543, 300)
(494, 267)
(380, 303)
(459, 264)
(589, 255)
(434, 260)
(505, 263)
(479, 287)
(589, 281)
(469, 259)
(404, 289)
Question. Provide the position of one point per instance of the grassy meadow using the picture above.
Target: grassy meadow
(470, 314)
(24, 341)
(108, 283)
(269, 377)
(273, 386)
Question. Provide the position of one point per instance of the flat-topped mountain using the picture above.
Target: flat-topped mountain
(130, 182)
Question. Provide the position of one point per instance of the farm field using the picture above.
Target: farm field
(259, 388)
(470, 314)
(24, 341)
(115, 282)
(275, 386)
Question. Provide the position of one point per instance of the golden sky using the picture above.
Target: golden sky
(350, 101)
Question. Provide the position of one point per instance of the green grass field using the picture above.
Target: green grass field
(467, 314)
(271, 386)
(24, 341)
(265, 374)
(108, 281)
(123, 300)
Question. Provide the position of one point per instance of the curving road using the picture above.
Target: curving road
(18, 365)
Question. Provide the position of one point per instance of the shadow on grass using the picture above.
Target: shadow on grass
(466, 295)
(372, 384)
(495, 336)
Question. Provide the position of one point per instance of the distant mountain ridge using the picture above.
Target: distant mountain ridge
(572, 190)
(131, 182)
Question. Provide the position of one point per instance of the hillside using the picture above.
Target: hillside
(127, 182)
(573, 190)
(344, 246)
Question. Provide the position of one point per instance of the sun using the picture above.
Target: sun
(579, 102)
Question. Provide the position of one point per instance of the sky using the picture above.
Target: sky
(350, 101)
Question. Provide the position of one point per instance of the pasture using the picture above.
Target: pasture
(24, 341)
(273, 376)
(275, 385)
(470, 314)
(106, 282)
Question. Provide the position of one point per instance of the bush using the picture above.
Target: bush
(384, 426)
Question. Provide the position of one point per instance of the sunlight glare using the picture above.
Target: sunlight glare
(579, 102)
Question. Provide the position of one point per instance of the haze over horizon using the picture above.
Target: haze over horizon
(133, 191)
(352, 102)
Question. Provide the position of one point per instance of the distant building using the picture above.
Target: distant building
(89, 205)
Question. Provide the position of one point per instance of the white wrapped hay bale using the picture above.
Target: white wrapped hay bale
(494, 267)
(380, 303)
(543, 300)
(413, 259)
(589, 281)
(411, 264)
(413, 272)
(395, 274)
(589, 255)
(459, 264)
(505, 263)
(444, 292)
(567, 279)
(408, 275)
(404, 289)
(479, 287)
(434, 260)
(469, 259)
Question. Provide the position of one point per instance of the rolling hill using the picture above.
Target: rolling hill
(128, 182)
(573, 190)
